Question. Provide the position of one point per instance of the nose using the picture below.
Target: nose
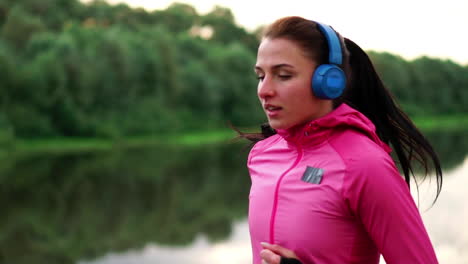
(265, 88)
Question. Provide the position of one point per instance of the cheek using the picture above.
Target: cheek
(303, 103)
(301, 93)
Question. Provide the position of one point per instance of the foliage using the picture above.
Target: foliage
(425, 86)
(69, 69)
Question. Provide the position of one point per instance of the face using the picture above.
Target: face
(284, 90)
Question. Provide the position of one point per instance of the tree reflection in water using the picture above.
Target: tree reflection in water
(77, 207)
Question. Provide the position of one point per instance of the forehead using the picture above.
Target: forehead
(281, 51)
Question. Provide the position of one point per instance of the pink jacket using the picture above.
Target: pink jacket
(330, 192)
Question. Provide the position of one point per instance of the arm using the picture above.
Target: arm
(381, 199)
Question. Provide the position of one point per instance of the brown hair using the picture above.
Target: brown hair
(364, 91)
(304, 33)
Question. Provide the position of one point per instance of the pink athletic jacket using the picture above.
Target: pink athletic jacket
(330, 192)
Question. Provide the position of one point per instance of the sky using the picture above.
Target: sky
(409, 28)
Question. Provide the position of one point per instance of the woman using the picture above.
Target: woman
(324, 186)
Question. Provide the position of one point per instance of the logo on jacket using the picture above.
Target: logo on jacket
(313, 175)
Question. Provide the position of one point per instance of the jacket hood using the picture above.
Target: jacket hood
(318, 130)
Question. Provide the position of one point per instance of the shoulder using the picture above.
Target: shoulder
(262, 145)
(367, 165)
(357, 149)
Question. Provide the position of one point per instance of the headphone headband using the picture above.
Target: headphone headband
(329, 80)
(334, 46)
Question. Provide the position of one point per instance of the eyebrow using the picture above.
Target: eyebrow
(277, 66)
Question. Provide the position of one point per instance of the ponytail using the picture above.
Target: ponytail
(367, 93)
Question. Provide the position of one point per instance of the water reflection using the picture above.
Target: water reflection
(235, 250)
(64, 208)
(155, 204)
(445, 223)
(451, 146)
(446, 220)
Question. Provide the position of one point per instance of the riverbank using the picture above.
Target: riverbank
(65, 145)
(449, 122)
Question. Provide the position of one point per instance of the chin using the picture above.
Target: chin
(278, 125)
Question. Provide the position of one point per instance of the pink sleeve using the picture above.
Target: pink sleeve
(380, 198)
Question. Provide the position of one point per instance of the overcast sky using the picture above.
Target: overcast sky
(409, 28)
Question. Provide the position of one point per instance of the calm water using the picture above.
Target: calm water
(169, 204)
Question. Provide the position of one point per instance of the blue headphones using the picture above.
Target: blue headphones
(329, 81)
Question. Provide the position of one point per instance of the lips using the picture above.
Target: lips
(272, 110)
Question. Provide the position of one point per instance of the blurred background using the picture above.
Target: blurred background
(115, 144)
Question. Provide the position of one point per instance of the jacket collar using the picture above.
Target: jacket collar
(318, 130)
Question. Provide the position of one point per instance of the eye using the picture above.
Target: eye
(284, 77)
(260, 77)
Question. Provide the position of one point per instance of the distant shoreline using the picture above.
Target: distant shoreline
(71, 144)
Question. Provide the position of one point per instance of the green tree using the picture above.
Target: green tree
(178, 17)
(102, 70)
(20, 26)
(225, 30)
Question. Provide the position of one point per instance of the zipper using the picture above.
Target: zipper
(275, 201)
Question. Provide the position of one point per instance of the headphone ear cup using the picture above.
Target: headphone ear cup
(328, 81)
